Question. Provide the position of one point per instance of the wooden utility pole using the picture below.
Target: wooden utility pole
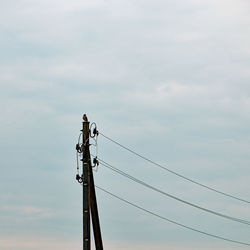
(90, 210)
(86, 165)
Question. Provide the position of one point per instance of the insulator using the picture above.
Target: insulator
(77, 147)
(95, 162)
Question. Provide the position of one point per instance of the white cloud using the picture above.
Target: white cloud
(37, 243)
(28, 212)
(49, 243)
(172, 75)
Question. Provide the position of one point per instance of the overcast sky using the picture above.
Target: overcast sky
(170, 79)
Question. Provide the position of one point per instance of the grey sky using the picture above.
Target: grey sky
(168, 78)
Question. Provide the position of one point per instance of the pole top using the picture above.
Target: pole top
(85, 118)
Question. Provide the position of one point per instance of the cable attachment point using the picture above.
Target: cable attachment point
(79, 178)
(95, 131)
(95, 162)
(79, 148)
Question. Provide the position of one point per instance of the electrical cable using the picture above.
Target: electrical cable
(79, 138)
(171, 221)
(95, 132)
(77, 163)
(173, 172)
(77, 154)
(107, 165)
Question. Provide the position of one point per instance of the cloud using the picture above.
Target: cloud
(37, 243)
(49, 243)
(168, 79)
(29, 212)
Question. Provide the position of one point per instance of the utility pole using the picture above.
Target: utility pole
(86, 165)
(90, 210)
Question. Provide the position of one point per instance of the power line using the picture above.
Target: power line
(171, 221)
(107, 165)
(173, 172)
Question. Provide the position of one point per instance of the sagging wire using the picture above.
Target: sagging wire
(107, 165)
(79, 138)
(94, 135)
(172, 221)
(79, 150)
(175, 173)
(78, 147)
